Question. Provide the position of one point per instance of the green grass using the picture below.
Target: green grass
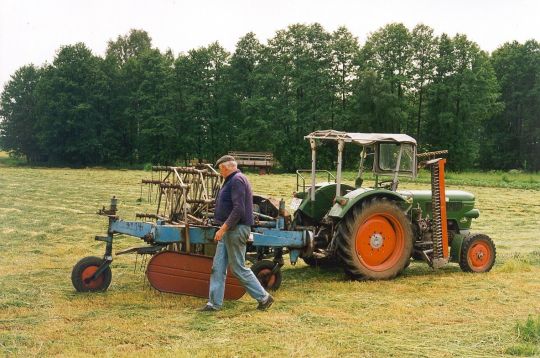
(528, 336)
(47, 224)
(7, 161)
(497, 179)
(513, 179)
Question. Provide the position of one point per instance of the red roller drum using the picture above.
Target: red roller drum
(187, 274)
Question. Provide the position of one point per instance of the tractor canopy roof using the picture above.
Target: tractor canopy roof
(360, 138)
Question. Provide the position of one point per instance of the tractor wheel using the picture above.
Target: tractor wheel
(477, 253)
(84, 269)
(374, 241)
(268, 279)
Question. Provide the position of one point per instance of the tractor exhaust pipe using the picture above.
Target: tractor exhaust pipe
(313, 167)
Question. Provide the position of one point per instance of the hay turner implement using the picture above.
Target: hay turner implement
(371, 232)
(181, 237)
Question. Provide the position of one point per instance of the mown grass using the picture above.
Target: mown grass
(47, 225)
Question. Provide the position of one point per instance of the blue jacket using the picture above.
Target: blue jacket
(234, 204)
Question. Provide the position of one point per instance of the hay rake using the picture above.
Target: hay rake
(181, 232)
(184, 194)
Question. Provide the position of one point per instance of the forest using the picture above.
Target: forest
(138, 104)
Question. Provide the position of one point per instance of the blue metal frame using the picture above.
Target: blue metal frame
(163, 234)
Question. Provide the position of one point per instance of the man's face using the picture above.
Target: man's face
(223, 170)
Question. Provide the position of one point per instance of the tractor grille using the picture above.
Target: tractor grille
(451, 206)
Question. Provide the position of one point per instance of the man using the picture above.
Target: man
(234, 214)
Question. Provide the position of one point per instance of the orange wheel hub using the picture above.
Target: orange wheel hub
(267, 277)
(379, 241)
(479, 255)
(89, 272)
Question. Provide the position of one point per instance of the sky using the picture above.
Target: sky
(31, 31)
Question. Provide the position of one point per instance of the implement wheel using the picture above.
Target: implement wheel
(375, 241)
(84, 270)
(264, 271)
(477, 253)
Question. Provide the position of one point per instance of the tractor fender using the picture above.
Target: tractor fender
(345, 203)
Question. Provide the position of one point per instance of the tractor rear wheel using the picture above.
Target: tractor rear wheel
(477, 253)
(269, 278)
(374, 241)
(84, 270)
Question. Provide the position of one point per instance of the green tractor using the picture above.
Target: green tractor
(373, 232)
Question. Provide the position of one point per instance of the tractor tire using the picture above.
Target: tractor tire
(84, 269)
(374, 241)
(268, 279)
(477, 253)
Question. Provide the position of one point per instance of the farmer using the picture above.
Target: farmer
(234, 214)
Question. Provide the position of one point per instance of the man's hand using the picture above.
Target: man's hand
(219, 234)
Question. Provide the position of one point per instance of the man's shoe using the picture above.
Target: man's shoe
(263, 306)
(208, 308)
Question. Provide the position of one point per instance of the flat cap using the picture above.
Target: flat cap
(225, 158)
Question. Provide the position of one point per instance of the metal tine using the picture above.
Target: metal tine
(142, 263)
(172, 199)
(146, 283)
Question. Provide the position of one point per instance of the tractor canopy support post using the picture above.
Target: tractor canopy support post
(341, 144)
(313, 145)
(363, 155)
(395, 180)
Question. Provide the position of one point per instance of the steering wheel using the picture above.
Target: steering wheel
(385, 184)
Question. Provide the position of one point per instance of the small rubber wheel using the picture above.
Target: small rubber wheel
(477, 253)
(268, 279)
(84, 270)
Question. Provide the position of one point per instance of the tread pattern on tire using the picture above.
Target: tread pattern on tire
(267, 265)
(76, 274)
(467, 242)
(345, 242)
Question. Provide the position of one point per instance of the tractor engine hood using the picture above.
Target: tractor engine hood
(425, 195)
(459, 205)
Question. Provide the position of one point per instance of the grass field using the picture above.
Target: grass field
(47, 225)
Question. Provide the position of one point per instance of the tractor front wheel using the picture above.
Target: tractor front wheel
(84, 270)
(375, 241)
(269, 277)
(477, 253)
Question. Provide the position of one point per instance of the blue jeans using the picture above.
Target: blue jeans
(231, 250)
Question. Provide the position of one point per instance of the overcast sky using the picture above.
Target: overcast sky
(31, 31)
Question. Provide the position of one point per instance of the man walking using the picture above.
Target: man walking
(234, 214)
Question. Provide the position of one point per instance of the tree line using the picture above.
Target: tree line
(138, 104)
